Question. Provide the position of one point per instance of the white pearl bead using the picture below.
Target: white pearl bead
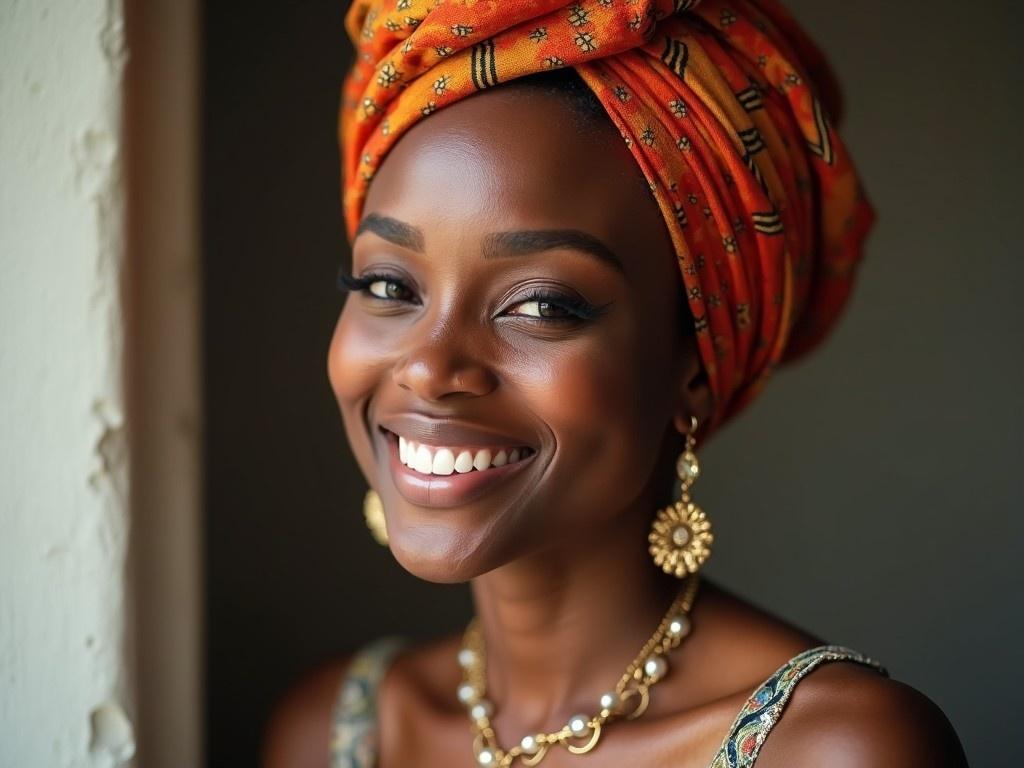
(530, 745)
(579, 725)
(655, 667)
(467, 658)
(485, 757)
(609, 700)
(468, 694)
(681, 536)
(481, 709)
(679, 626)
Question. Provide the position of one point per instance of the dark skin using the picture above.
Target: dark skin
(556, 553)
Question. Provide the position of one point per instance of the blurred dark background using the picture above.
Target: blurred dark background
(871, 495)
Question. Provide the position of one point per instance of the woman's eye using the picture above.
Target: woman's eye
(379, 286)
(389, 289)
(541, 308)
(556, 308)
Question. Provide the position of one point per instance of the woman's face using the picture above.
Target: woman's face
(520, 301)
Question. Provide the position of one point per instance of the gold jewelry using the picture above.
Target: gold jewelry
(680, 538)
(629, 698)
(373, 511)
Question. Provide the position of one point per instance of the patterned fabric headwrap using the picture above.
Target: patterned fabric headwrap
(727, 107)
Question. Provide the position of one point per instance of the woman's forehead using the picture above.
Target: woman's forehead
(514, 156)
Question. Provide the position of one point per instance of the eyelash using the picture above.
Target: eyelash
(579, 308)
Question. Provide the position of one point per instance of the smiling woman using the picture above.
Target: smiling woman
(527, 347)
(562, 281)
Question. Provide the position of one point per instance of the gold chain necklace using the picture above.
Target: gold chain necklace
(629, 698)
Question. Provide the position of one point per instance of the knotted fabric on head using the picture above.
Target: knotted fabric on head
(726, 106)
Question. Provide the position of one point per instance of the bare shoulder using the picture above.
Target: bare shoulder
(849, 716)
(298, 731)
(842, 714)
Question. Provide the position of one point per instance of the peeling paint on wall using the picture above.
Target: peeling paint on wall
(112, 734)
(65, 698)
(110, 451)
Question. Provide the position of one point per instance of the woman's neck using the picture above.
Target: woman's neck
(562, 626)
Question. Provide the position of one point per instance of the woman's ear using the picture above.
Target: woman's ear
(693, 390)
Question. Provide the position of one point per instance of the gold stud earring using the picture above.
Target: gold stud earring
(373, 511)
(680, 538)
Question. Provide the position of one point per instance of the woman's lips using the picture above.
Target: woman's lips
(448, 490)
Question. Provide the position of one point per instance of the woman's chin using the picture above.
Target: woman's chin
(439, 557)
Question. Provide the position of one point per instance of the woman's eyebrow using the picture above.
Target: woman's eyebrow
(392, 230)
(523, 242)
(496, 244)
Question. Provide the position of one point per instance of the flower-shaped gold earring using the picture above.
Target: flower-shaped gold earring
(680, 537)
(373, 511)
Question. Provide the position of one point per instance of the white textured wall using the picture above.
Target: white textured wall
(63, 460)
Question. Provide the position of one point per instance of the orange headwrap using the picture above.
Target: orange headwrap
(715, 100)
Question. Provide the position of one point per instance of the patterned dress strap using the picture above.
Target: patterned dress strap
(354, 741)
(764, 707)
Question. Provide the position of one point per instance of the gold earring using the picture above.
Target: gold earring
(680, 537)
(373, 511)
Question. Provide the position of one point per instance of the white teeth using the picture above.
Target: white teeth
(464, 462)
(482, 460)
(444, 462)
(424, 461)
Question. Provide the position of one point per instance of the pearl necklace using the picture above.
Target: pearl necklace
(629, 698)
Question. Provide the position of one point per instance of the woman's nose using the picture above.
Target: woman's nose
(441, 368)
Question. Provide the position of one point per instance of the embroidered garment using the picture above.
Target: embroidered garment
(354, 729)
(354, 735)
(728, 109)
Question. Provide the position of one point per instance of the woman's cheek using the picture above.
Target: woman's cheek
(355, 360)
(356, 368)
(593, 404)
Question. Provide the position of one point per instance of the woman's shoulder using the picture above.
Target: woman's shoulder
(300, 728)
(846, 714)
(811, 703)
